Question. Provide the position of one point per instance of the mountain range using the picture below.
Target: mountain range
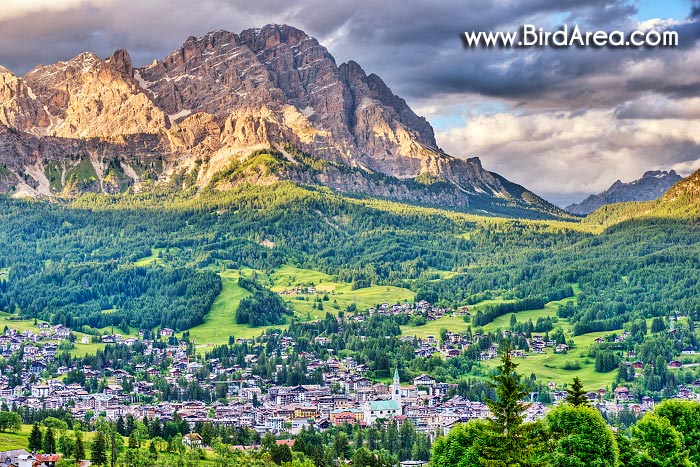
(194, 119)
(651, 186)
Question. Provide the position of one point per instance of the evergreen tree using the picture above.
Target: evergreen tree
(35, 439)
(49, 445)
(99, 449)
(121, 428)
(359, 439)
(575, 394)
(408, 439)
(130, 424)
(133, 442)
(341, 446)
(506, 443)
(79, 448)
(152, 451)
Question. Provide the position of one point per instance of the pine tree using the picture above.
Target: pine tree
(121, 429)
(133, 442)
(99, 449)
(152, 451)
(576, 395)
(35, 439)
(79, 448)
(49, 445)
(507, 441)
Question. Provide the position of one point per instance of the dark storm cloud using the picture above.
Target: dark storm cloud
(695, 10)
(420, 37)
(413, 44)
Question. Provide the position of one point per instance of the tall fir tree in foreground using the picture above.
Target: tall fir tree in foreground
(507, 436)
(36, 439)
(79, 448)
(576, 396)
(49, 445)
(99, 449)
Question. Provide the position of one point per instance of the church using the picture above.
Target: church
(384, 409)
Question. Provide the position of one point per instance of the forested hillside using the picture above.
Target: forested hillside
(82, 262)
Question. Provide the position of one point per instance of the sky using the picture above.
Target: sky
(562, 122)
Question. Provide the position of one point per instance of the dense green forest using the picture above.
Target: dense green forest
(82, 261)
(262, 308)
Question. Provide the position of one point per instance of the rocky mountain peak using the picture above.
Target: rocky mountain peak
(120, 63)
(219, 97)
(18, 105)
(659, 174)
(475, 161)
(651, 186)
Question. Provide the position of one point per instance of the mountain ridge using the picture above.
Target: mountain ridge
(213, 101)
(652, 185)
(681, 201)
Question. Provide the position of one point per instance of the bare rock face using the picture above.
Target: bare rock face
(86, 97)
(213, 74)
(89, 124)
(19, 107)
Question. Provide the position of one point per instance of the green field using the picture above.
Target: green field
(432, 328)
(286, 277)
(19, 440)
(19, 325)
(548, 367)
(220, 321)
(153, 259)
(550, 309)
(452, 324)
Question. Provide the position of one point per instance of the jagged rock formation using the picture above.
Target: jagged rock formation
(214, 101)
(651, 186)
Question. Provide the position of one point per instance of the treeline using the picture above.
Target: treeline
(262, 308)
(492, 312)
(106, 294)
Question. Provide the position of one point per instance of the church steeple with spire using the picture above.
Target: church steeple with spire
(396, 387)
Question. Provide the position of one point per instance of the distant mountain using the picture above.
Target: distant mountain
(680, 202)
(88, 124)
(651, 186)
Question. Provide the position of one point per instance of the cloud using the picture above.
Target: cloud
(17, 8)
(420, 37)
(656, 106)
(566, 153)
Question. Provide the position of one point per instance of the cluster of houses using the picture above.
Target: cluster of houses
(429, 311)
(346, 395)
(38, 348)
(299, 291)
(23, 458)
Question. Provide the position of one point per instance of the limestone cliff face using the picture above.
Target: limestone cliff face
(19, 107)
(86, 97)
(101, 125)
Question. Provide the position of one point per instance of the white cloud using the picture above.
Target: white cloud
(560, 153)
(14, 8)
